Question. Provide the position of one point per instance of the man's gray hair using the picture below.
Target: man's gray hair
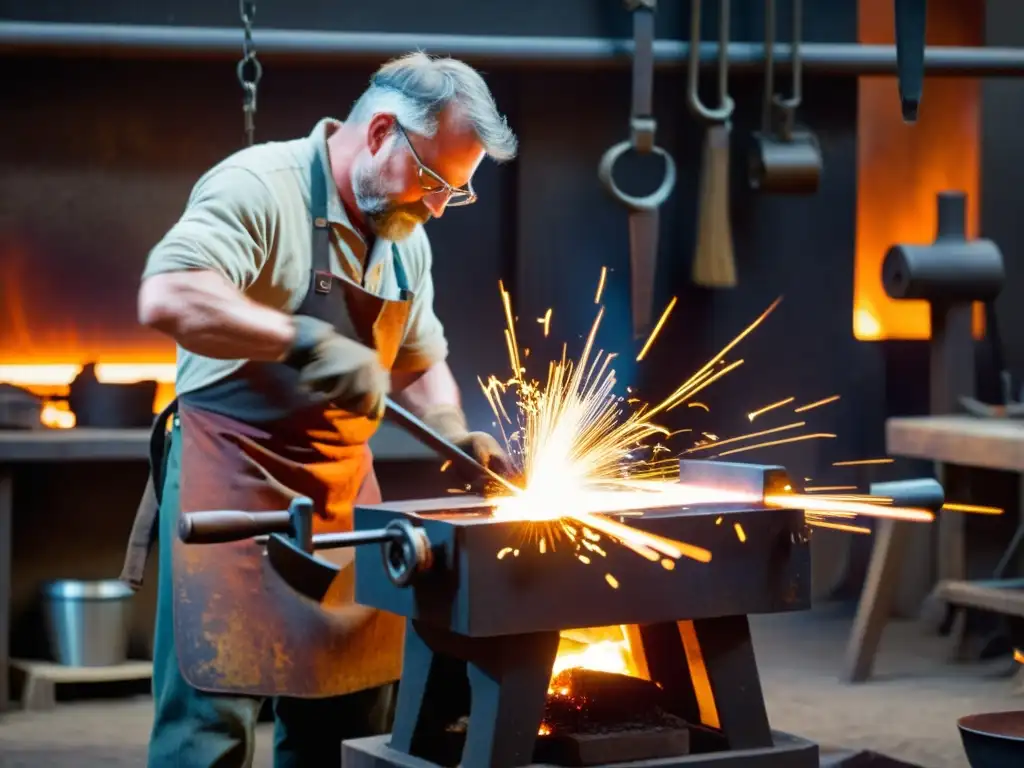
(417, 87)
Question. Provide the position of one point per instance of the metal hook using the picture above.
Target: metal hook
(725, 104)
(796, 57)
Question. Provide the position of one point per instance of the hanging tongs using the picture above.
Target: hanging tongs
(713, 263)
(784, 159)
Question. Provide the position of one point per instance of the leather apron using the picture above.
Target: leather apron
(252, 442)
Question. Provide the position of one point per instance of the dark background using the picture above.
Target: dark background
(99, 155)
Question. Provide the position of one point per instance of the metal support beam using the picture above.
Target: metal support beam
(110, 40)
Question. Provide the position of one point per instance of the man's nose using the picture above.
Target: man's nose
(436, 203)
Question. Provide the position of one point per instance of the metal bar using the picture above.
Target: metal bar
(196, 42)
(465, 463)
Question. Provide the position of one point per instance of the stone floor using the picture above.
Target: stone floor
(909, 711)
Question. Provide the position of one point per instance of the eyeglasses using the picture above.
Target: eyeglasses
(433, 184)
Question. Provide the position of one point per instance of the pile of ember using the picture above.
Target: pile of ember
(585, 701)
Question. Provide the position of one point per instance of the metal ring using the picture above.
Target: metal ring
(257, 70)
(606, 169)
(406, 554)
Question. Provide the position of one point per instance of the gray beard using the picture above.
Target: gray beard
(388, 220)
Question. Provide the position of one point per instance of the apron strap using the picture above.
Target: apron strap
(318, 207)
(322, 230)
(146, 522)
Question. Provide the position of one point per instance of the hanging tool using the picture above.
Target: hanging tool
(714, 264)
(249, 70)
(783, 160)
(911, 22)
(643, 211)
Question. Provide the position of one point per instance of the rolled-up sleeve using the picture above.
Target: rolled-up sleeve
(227, 227)
(425, 343)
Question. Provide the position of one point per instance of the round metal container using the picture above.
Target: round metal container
(87, 622)
(993, 739)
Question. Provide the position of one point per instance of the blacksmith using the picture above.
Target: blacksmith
(297, 285)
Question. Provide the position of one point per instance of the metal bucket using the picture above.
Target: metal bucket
(993, 739)
(87, 622)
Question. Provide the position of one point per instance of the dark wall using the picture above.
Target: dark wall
(102, 154)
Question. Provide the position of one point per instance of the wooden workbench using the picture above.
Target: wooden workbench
(49, 446)
(950, 441)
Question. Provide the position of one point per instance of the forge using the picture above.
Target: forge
(487, 600)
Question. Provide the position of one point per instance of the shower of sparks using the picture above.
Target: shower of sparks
(657, 330)
(695, 404)
(445, 465)
(600, 285)
(816, 404)
(770, 407)
(976, 509)
(820, 488)
(584, 453)
(861, 462)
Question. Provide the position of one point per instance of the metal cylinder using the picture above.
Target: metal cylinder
(950, 269)
(923, 493)
(785, 166)
(88, 622)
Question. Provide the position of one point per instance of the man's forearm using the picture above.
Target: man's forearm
(427, 390)
(207, 315)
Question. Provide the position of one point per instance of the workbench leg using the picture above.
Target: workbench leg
(725, 647)
(432, 695)
(876, 599)
(668, 666)
(6, 527)
(508, 680)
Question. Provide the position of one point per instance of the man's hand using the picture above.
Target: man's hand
(450, 422)
(337, 369)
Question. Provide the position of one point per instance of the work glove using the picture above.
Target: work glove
(338, 370)
(450, 422)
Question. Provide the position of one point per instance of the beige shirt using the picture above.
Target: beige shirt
(248, 219)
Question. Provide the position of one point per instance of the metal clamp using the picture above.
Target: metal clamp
(726, 105)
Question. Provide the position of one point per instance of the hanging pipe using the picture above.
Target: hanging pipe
(198, 42)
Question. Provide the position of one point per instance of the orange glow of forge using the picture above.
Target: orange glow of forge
(901, 168)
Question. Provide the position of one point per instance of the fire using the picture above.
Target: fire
(53, 380)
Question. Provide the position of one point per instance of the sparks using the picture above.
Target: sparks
(587, 458)
(861, 462)
(816, 404)
(600, 285)
(770, 407)
(546, 322)
(657, 330)
(976, 509)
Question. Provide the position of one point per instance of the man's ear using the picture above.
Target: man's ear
(377, 131)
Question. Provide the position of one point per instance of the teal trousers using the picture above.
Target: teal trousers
(194, 729)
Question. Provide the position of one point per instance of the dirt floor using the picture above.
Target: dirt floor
(908, 711)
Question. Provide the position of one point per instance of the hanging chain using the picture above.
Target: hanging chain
(249, 70)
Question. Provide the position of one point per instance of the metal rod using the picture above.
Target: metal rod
(197, 42)
(353, 538)
(444, 448)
